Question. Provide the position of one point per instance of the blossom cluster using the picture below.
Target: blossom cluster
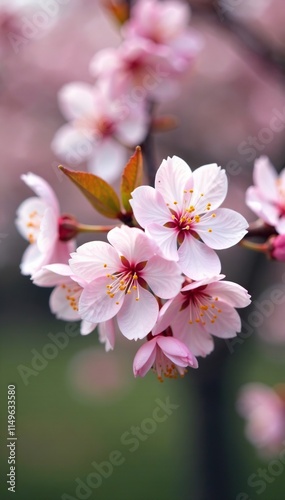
(157, 279)
(115, 112)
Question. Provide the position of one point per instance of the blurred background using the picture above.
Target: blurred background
(75, 403)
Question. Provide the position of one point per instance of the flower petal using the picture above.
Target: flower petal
(231, 293)
(262, 208)
(144, 358)
(132, 243)
(94, 259)
(42, 190)
(106, 331)
(108, 159)
(95, 305)
(224, 230)
(165, 239)
(265, 178)
(52, 275)
(163, 277)
(60, 305)
(197, 260)
(227, 324)
(32, 260)
(212, 182)
(176, 351)
(76, 99)
(149, 206)
(72, 144)
(133, 321)
(25, 216)
(86, 327)
(171, 179)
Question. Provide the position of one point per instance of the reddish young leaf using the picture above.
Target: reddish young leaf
(119, 9)
(100, 194)
(132, 177)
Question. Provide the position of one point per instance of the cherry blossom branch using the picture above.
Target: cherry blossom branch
(89, 228)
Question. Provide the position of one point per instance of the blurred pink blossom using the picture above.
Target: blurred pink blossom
(166, 25)
(267, 197)
(99, 128)
(264, 411)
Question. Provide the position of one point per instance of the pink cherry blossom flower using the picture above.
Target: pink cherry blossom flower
(165, 24)
(99, 129)
(64, 301)
(267, 197)
(202, 309)
(38, 221)
(118, 276)
(166, 355)
(264, 411)
(182, 210)
(138, 70)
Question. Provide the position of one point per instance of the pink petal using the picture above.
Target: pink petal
(149, 206)
(144, 358)
(203, 282)
(280, 226)
(48, 234)
(265, 178)
(61, 307)
(133, 321)
(106, 331)
(86, 327)
(72, 144)
(32, 260)
(163, 277)
(94, 260)
(28, 207)
(171, 179)
(42, 190)
(52, 275)
(224, 230)
(261, 207)
(167, 314)
(76, 99)
(108, 159)
(132, 243)
(212, 182)
(228, 322)
(104, 61)
(176, 351)
(197, 260)
(95, 305)
(166, 240)
(231, 293)
(199, 342)
(133, 129)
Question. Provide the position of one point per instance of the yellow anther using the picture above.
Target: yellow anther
(210, 230)
(214, 215)
(105, 265)
(191, 190)
(175, 203)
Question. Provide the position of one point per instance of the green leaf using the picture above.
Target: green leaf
(132, 177)
(100, 194)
